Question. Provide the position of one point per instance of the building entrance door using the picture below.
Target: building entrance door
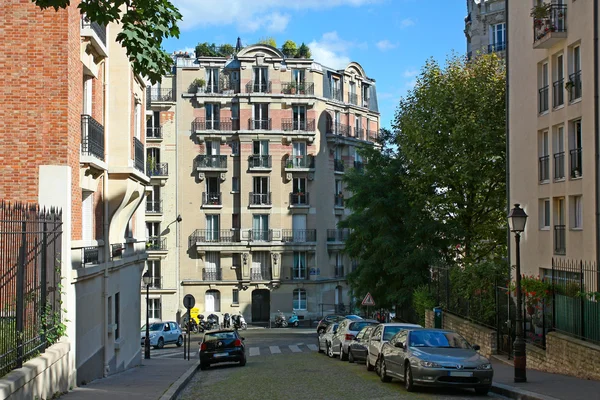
(261, 305)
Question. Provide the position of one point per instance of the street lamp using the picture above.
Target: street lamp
(147, 278)
(517, 219)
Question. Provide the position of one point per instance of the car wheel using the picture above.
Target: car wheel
(383, 371)
(482, 390)
(350, 356)
(368, 364)
(160, 344)
(203, 366)
(408, 379)
(179, 341)
(343, 356)
(243, 361)
(329, 350)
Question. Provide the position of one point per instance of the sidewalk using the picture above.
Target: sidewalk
(155, 379)
(541, 385)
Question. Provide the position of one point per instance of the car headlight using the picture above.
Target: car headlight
(430, 364)
(486, 366)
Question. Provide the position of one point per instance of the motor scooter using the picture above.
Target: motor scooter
(280, 320)
(294, 320)
(242, 320)
(226, 321)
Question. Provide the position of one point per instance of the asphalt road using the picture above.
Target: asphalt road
(284, 364)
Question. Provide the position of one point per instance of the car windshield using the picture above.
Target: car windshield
(154, 327)
(357, 326)
(448, 340)
(353, 317)
(390, 331)
(218, 335)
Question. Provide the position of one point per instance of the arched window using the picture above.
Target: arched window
(212, 301)
(299, 299)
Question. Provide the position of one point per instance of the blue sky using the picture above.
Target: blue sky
(391, 39)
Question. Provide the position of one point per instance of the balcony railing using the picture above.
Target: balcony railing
(494, 47)
(560, 239)
(338, 200)
(223, 87)
(558, 93)
(337, 235)
(299, 273)
(215, 236)
(259, 161)
(92, 137)
(154, 132)
(211, 199)
(300, 161)
(99, 30)
(574, 85)
(201, 124)
(576, 170)
(205, 161)
(155, 283)
(339, 129)
(256, 87)
(90, 256)
(157, 243)
(359, 133)
(372, 135)
(153, 206)
(337, 94)
(544, 168)
(209, 274)
(259, 124)
(138, 151)
(259, 199)
(299, 199)
(260, 274)
(353, 98)
(157, 169)
(299, 235)
(556, 21)
(306, 88)
(338, 165)
(543, 99)
(161, 94)
(339, 271)
(559, 165)
(261, 235)
(292, 124)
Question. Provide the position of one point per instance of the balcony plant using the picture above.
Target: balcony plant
(569, 84)
(292, 87)
(151, 165)
(289, 49)
(199, 84)
(303, 51)
(541, 12)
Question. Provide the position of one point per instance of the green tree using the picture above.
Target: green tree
(206, 50)
(145, 24)
(303, 51)
(226, 50)
(268, 40)
(289, 48)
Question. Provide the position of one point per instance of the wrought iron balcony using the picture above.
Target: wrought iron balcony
(156, 243)
(205, 161)
(576, 170)
(158, 95)
(140, 157)
(338, 271)
(299, 199)
(299, 273)
(155, 283)
(338, 165)
(359, 133)
(260, 274)
(214, 236)
(256, 87)
(560, 247)
(92, 137)
(550, 29)
(259, 161)
(494, 47)
(211, 199)
(154, 132)
(223, 87)
(559, 165)
(558, 93)
(259, 199)
(372, 135)
(305, 88)
(292, 124)
(299, 235)
(544, 168)
(339, 129)
(337, 235)
(543, 99)
(574, 86)
(300, 161)
(353, 98)
(157, 169)
(90, 256)
(153, 206)
(99, 30)
(338, 200)
(259, 124)
(337, 94)
(261, 235)
(210, 274)
(201, 124)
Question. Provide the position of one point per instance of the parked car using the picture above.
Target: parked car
(357, 348)
(223, 345)
(382, 334)
(346, 332)
(329, 319)
(162, 333)
(434, 357)
(325, 338)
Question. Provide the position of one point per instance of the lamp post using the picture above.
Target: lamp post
(147, 279)
(517, 219)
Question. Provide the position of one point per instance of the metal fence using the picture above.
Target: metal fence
(30, 256)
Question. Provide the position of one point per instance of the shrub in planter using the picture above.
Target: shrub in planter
(289, 49)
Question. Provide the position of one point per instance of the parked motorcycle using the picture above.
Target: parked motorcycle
(280, 320)
(212, 322)
(193, 325)
(294, 320)
(226, 321)
(242, 320)
(202, 323)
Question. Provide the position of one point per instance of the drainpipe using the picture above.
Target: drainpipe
(508, 241)
(105, 230)
(178, 224)
(596, 137)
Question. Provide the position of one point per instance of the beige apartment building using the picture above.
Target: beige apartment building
(553, 131)
(485, 27)
(256, 157)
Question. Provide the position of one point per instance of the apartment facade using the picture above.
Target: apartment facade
(73, 138)
(553, 131)
(259, 152)
(485, 27)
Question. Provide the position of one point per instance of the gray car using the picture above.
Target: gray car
(357, 349)
(325, 339)
(381, 334)
(346, 332)
(434, 357)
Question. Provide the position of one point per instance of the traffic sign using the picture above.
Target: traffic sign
(189, 301)
(368, 300)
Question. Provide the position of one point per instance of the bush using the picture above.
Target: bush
(269, 41)
(226, 50)
(303, 51)
(422, 301)
(289, 49)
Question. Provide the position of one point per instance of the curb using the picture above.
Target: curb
(180, 383)
(518, 394)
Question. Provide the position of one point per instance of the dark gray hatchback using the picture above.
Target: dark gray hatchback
(222, 346)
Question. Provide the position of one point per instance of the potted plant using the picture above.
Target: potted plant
(292, 87)
(289, 48)
(151, 165)
(569, 84)
(541, 11)
(199, 84)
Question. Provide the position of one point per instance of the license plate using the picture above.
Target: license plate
(220, 355)
(461, 374)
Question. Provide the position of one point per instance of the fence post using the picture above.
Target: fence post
(553, 298)
(44, 285)
(544, 323)
(581, 301)
(20, 306)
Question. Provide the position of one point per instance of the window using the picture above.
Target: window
(155, 273)
(299, 299)
(235, 184)
(212, 266)
(152, 229)
(352, 99)
(212, 228)
(299, 195)
(212, 80)
(235, 148)
(261, 116)
(544, 158)
(235, 296)
(212, 301)
(365, 95)
(260, 227)
(498, 37)
(299, 118)
(299, 269)
(261, 266)
(213, 147)
(299, 159)
(575, 152)
(559, 226)
(154, 309)
(298, 76)
(543, 89)
(260, 187)
(576, 212)
(558, 87)
(545, 214)
(235, 221)
(358, 127)
(213, 113)
(559, 153)
(117, 315)
(336, 91)
(575, 77)
(261, 83)
(235, 116)
(260, 147)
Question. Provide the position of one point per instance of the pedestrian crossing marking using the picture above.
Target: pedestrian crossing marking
(313, 347)
(294, 348)
(275, 349)
(254, 351)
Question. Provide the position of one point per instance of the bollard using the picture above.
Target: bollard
(184, 343)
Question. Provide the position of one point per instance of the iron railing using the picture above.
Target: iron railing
(154, 206)
(299, 273)
(338, 271)
(339, 129)
(259, 161)
(359, 133)
(574, 86)
(230, 87)
(214, 236)
(205, 161)
(161, 94)
(560, 239)
(576, 170)
(211, 199)
(154, 132)
(210, 274)
(157, 243)
(201, 124)
(30, 267)
(544, 168)
(559, 165)
(338, 200)
(338, 165)
(300, 161)
(337, 94)
(99, 30)
(543, 99)
(556, 21)
(299, 199)
(261, 235)
(259, 199)
(155, 283)
(259, 124)
(353, 98)
(306, 88)
(139, 156)
(500, 46)
(92, 137)
(558, 93)
(372, 135)
(263, 274)
(337, 235)
(157, 169)
(292, 124)
(258, 87)
(299, 235)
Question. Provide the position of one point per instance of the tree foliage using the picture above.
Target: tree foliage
(303, 51)
(289, 48)
(268, 40)
(145, 24)
(212, 50)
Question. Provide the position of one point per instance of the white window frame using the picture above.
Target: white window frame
(576, 212)
(545, 214)
(235, 296)
(299, 297)
(299, 267)
(154, 308)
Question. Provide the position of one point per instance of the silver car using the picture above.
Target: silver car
(325, 339)
(434, 357)
(162, 333)
(381, 334)
(346, 332)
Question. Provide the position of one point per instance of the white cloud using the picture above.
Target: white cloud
(331, 50)
(385, 44)
(407, 22)
(250, 15)
(410, 73)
